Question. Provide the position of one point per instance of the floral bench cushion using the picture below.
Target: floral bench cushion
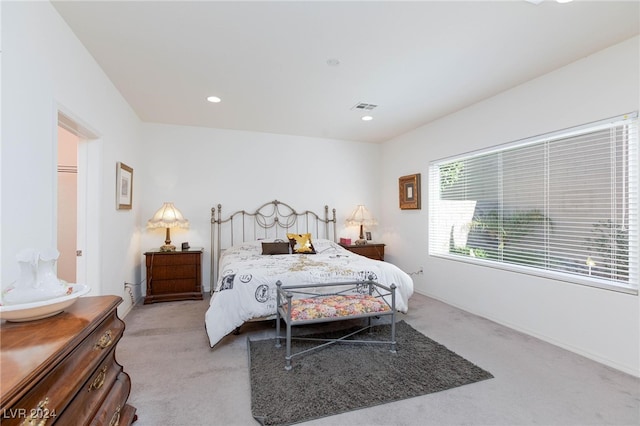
(336, 306)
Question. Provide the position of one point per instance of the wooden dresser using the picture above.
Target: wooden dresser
(63, 368)
(370, 250)
(173, 275)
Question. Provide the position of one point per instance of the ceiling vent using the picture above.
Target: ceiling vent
(362, 106)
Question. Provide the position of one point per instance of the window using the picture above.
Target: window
(562, 205)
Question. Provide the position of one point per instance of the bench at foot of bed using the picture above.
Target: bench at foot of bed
(318, 303)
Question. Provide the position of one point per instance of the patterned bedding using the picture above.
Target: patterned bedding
(246, 287)
(335, 307)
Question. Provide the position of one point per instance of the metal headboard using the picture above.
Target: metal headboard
(271, 220)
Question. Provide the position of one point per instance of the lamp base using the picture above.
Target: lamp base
(361, 241)
(167, 242)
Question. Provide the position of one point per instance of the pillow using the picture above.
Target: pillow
(276, 247)
(301, 243)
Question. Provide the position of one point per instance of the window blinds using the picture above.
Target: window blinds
(563, 204)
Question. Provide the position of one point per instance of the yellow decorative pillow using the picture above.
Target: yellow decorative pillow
(301, 243)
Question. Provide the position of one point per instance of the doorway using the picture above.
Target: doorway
(68, 244)
(78, 202)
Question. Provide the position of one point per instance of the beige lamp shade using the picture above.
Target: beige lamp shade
(168, 216)
(361, 216)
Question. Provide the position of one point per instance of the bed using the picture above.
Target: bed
(245, 278)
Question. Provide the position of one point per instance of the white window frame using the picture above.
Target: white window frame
(438, 218)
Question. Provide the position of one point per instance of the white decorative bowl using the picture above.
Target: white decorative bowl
(43, 308)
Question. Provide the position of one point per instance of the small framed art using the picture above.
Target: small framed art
(409, 187)
(124, 186)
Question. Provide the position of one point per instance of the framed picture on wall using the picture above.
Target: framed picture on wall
(124, 186)
(409, 188)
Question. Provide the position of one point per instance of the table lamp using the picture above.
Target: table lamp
(168, 216)
(361, 216)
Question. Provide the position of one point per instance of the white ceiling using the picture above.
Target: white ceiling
(417, 61)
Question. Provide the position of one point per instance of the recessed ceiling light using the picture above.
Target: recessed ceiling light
(366, 118)
(214, 99)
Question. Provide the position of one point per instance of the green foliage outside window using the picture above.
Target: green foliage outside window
(450, 173)
(497, 237)
(610, 244)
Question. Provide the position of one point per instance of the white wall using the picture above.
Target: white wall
(199, 168)
(599, 324)
(44, 67)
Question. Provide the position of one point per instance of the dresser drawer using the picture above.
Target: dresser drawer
(161, 272)
(52, 394)
(173, 258)
(161, 287)
(372, 251)
(114, 411)
(92, 394)
(62, 369)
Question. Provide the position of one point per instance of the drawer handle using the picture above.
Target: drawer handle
(115, 419)
(99, 380)
(38, 416)
(105, 341)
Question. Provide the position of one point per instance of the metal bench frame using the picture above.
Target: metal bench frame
(285, 295)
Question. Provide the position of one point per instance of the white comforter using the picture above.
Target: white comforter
(246, 286)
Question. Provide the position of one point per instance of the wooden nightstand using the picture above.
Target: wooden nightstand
(174, 275)
(371, 250)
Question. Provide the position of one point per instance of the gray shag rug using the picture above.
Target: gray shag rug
(345, 377)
